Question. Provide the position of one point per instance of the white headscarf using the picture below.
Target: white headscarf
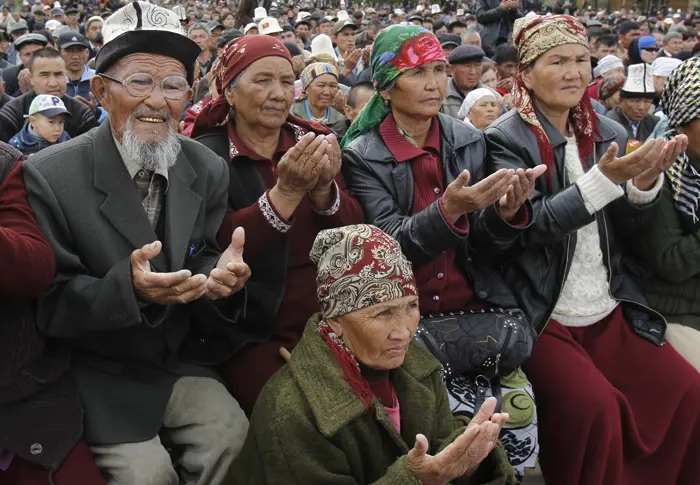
(607, 64)
(470, 101)
(664, 66)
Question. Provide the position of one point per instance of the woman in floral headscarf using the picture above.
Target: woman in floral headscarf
(417, 174)
(319, 82)
(359, 403)
(616, 405)
(284, 188)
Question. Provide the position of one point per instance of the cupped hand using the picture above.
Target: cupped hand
(231, 272)
(620, 170)
(179, 287)
(459, 199)
(464, 455)
(522, 187)
(673, 149)
(300, 167)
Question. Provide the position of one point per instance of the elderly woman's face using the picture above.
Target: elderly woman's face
(490, 79)
(484, 112)
(419, 92)
(152, 117)
(560, 76)
(379, 335)
(265, 93)
(617, 72)
(322, 91)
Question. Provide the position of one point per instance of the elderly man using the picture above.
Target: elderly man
(636, 98)
(466, 63)
(131, 210)
(200, 34)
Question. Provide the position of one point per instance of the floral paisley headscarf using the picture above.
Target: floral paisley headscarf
(357, 267)
(397, 49)
(534, 35)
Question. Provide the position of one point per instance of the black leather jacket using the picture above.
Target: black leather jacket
(384, 188)
(538, 262)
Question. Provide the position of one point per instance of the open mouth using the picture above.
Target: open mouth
(150, 119)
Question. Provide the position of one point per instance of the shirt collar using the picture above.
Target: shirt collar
(632, 123)
(133, 167)
(402, 149)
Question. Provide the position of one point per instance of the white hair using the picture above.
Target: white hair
(150, 156)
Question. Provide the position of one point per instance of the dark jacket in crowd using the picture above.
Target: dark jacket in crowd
(29, 143)
(646, 127)
(9, 75)
(41, 416)
(497, 24)
(12, 118)
(127, 354)
(537, 265)
(672, 255)
(385, 189)
(5, 99)
(309, 427)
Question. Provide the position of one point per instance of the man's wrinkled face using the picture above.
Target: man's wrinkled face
(201, 38)
(153, 117)
(26, 51)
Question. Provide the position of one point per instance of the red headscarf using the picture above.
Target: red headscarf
(237, 56)
(534, 35)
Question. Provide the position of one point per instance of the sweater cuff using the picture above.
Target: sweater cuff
(644, 197)
(598, 190)
(330, 211)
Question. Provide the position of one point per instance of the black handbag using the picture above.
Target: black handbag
(490, 342)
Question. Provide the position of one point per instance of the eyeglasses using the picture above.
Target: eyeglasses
(650, 49)
(142, 84)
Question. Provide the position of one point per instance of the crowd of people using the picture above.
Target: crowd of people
(348, 244)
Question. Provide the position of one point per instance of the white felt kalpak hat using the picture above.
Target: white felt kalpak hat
(259, 14)
(148, 28)
(269, 26)
(322, 44)
(639, 82)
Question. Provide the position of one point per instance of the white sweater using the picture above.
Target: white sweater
(585, 298)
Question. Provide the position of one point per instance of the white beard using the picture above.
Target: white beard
(150, 156)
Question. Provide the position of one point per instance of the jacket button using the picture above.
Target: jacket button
(441, 276)
(483, 295)
(436, 298)
(436, 190)
(35, 449)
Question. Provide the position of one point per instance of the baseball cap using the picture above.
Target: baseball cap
(251, 25)
(341, 24)
(47, 105)
(70, 39)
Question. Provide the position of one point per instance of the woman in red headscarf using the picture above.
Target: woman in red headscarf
(285, 187)
(616, 405)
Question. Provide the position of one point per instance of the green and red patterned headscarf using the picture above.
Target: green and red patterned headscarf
(397, 49)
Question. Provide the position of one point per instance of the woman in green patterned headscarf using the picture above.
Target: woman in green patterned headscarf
(397, 49)
(417, 174)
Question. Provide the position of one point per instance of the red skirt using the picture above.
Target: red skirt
(78, 468)
(613, 408)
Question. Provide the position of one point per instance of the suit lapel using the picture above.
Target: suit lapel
(122, 206)
(181, 211)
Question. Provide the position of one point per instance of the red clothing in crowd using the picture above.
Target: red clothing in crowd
(442, 286)
(25, 252)
(190, 117)
(597, 424)
(592, 89)
(248, 371)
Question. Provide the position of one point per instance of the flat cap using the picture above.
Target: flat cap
(594, 23)
(21, 24)
(30, 39)
(466, 53)
(447, 40)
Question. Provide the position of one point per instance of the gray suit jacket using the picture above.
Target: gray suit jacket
(127, 354)
(646, 127)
